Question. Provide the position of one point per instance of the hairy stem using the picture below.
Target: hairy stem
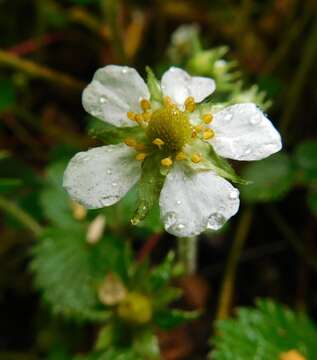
(227, 287)
(39, 71)
(22, 216)
(187, 253)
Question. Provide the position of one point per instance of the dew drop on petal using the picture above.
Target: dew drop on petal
(114, 184)
(180, 226)
(234, 194)
(255, 120)
(178, 202)
(109, 172)
(102, 99)
(215, 221)
(228, 117)
(124, 70)
(247, 151)
(170, 219)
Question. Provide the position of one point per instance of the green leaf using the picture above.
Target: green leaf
(7, 185)
(146, 345)
(69, 270)
(271, 179)
(7, 92)
(264, 333)
(153, 85)
(54, 200)
(110, 134)
(149, 188)
(163, 273)
(306, 160)
(167, 319)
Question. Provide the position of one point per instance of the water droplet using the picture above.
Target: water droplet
(109, 172)
(170, 219)
(254, 120)
(228, 117)
(178, 202)
(114, 184)
(247, 151)
(234, 194)
(215, 221)
(125, 70)
(180, 226)
(102, 99)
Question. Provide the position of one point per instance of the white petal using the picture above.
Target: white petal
(242, 132)
(179, 85)
(193, 202)
(113, 92)
(101, 176)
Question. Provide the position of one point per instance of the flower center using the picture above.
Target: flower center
(170, 125)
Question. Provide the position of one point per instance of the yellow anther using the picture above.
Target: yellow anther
(291, 355)
(181, 156)
(131, 115)
(130, 142)
(145, 104)
(147, 116)
(138, 117)
(194, 133)
(167, 162)
(139, 147)
(207, 118)
(196, 158)
(141, 156)
(167, 101)
(198, 128)
(158, 142)
(190, 104)
(208, 134)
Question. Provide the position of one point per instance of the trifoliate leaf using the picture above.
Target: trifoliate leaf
(270, 179)
(167, 319)
(264, 333)
(69, 270)
(153, 85)
(149, 188)
(306, 160)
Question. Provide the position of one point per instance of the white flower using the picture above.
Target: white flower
(182, 134)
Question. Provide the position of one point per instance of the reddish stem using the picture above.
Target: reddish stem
(148, 247)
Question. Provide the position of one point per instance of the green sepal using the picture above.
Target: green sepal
(150, 186)
(153, 85)
(110, 134)
(170, 318)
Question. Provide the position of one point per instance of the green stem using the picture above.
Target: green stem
(23, 217)
(187, 253)
(227, 287)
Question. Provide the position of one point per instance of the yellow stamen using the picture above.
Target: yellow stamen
(190, 105)
(167, 162)
(131, 115)
(196, 158)
(147, 116)
(145, 104)
(130, 142)
(198, 128)
(141, 156)
(167, 101)
(181, 156)
(208, 134)
(158, 142)
(138, 117)
(139, 146)
(207, 118)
